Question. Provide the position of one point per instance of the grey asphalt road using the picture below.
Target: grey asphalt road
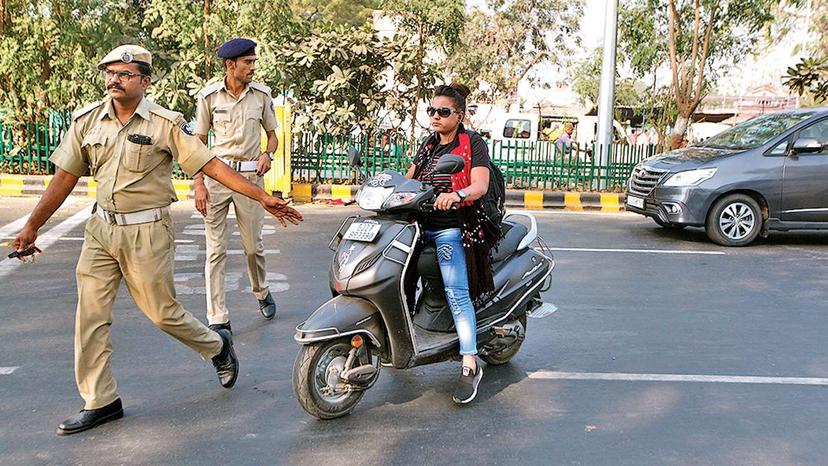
(635, 302)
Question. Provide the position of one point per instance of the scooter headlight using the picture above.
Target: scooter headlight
(398, 199)
(371, 198)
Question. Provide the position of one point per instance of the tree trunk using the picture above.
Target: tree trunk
(418, 89)
(205, 29)
(679, 129)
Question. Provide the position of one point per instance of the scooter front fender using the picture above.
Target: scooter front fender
(341, 316)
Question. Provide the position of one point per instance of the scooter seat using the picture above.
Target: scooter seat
(513, 232)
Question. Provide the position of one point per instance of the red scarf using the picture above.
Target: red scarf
(462, 179)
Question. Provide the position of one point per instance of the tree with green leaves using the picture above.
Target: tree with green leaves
(809, 77)
(506, 42)
(586, 80)
(427, 32)
(702, 36)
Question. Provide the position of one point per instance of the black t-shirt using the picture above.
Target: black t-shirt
(442, 219)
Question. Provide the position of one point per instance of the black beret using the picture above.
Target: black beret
(235, 48)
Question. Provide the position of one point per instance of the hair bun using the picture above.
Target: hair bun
(462, 89)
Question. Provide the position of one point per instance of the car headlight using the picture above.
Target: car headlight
(690, 177)
(398, 199)
(371, 198)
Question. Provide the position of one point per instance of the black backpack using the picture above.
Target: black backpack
(494, 201)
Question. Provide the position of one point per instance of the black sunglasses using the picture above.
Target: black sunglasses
(444, 112)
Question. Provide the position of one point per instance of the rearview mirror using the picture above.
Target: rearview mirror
(449, 164)
(806, 146)
(354, 157)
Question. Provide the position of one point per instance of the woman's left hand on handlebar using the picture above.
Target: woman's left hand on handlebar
(446, 200)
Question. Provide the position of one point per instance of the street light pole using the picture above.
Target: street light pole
(606, 94)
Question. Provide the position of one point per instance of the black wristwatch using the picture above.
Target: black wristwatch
(462, 195)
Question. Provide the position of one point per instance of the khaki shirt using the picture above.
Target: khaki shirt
(236, 123)
(130, 176)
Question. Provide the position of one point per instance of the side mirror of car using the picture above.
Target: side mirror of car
(449, 164)
(806, 146)
(354, 157)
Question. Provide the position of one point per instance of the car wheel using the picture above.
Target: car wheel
(734, 220)
(668, 226)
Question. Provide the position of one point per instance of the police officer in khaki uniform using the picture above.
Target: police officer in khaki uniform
(236, 109)
(128, 144)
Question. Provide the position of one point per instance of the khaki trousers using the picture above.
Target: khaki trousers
(143, 256)
(250, 218)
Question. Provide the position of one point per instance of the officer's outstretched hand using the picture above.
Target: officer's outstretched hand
(25, 240)
(280, 209)
(202, 198)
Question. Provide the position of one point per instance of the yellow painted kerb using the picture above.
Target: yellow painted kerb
(533, 199)
(572, 201)
(341, 192)
(610, 203)
(182, 189)
(11, 185)
(302, 192)
(91, 188)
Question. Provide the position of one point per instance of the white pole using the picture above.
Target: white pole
(606, 94)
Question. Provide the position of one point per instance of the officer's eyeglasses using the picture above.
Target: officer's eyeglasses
(444, 112)
(121, 75)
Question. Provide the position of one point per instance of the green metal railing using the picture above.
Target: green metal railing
(323, 158)
(544, 165)
(25, 148)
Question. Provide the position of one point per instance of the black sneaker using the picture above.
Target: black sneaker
(226, 363)
(466, 388)
(224, 326)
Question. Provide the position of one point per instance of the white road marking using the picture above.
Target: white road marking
(626, 377)
(7, 231)
(48, 238)
(8, 370)
(641, 251)
(193, 282)
(191, 252)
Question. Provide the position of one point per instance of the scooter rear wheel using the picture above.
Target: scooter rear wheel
(315, 375)
(506, 354)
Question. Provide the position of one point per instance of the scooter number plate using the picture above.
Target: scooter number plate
(366, 232)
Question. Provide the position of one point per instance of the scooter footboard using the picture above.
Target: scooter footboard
(341, 316)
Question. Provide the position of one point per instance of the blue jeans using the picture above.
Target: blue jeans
(452, 260)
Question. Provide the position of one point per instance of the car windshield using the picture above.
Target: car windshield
(757, 131)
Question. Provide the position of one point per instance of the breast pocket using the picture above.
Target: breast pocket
(222, 121)
(94, 145)
(253, 113)
(140, 157)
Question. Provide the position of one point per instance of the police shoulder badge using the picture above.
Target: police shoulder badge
(185, 127)
(127, 57)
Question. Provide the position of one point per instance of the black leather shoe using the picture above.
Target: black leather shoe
(268, 306)
(224, 326)
(226, 363)
(89, 418)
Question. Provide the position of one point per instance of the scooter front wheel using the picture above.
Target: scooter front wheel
(316, 380)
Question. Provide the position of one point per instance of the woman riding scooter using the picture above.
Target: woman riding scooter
(462, 236)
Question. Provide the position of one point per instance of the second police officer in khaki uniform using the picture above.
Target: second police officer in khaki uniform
(236, 109)
(128, 144)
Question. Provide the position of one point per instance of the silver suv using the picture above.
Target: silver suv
(768, 173)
